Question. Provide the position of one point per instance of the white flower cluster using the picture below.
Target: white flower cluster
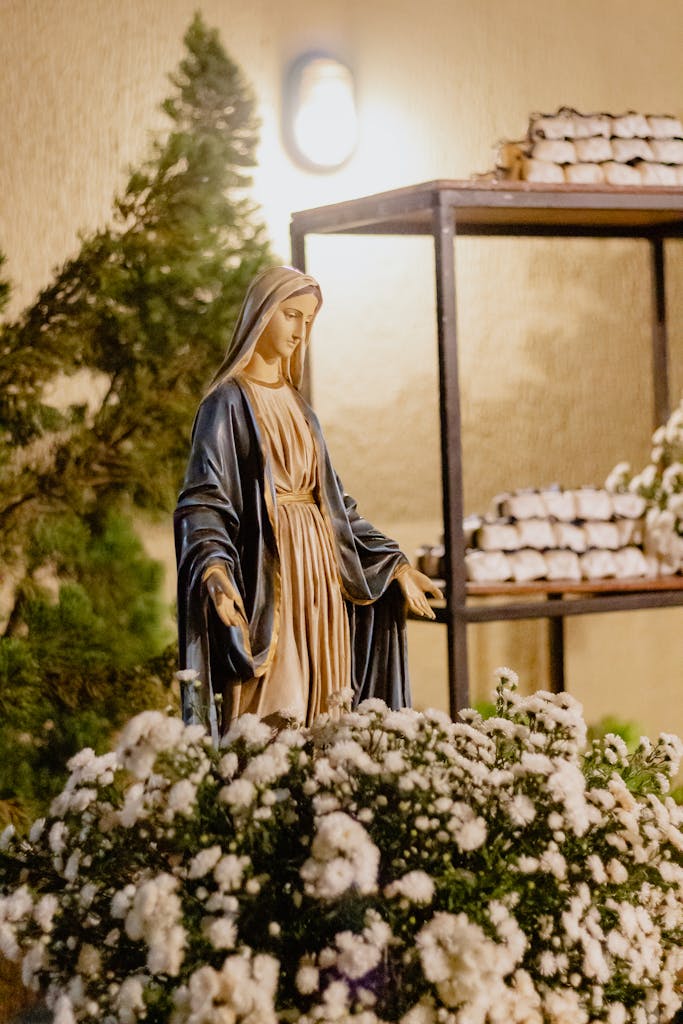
(660, 482)
(381, 867)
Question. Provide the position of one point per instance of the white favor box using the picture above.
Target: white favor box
(632, 506)
(562, 565)
(535, 533)
(559, 504)
(498, 536)
(487, 566)
(527, 565)
(597, 564)
(630, 562)
(602, 534)
(569, 535)
(592, 503)
(521, 505)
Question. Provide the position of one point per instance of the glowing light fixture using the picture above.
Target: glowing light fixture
(320, 122)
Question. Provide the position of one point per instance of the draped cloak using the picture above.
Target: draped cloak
(227, 514)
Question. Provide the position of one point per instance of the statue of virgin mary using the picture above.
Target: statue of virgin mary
(286, 594)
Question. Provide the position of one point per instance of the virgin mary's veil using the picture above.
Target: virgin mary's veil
(267, 290)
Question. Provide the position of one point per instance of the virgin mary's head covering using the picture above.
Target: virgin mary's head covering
(265, 293)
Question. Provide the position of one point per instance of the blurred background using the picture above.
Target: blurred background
(554, 334)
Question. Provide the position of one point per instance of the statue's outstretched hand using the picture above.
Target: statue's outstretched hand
(415, 586)
(220, 593)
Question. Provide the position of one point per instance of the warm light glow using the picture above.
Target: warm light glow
(322, 109)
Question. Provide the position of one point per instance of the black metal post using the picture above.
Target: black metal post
(660, 349)
(556, 650)
(451, 454)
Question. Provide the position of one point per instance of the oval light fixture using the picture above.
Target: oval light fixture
(320, 122)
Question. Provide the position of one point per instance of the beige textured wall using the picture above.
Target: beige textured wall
(554, 334)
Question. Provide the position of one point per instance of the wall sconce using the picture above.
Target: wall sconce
(319, 117)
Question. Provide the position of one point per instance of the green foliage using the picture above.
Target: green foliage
(74, 672)
(142, 313)
(147, 306)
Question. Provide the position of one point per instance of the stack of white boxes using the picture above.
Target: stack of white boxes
(556, 534)
(596, 149)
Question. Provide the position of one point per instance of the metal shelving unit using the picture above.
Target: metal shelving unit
(447, 210)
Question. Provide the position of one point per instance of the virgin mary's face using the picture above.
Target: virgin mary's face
(287, 327)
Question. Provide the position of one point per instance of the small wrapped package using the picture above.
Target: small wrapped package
(593, 151)
(498, 536)
(668, 151)
(487, 566)
(542, 171)
(657, 174)
(554, 151)
(522, 505)
(527, 565)
(593, 503)
(559, 504)
(597, 564)
(621, 174)
(601, 534)
(584, 174)
(631, 506)
(429, 560)
(665, 127)
(571, 536)
(553, 126)
(589, 125)
(562, 565)
(625, 150)
(630, 126)
(629, 562)
(535, 533)
(470, 525)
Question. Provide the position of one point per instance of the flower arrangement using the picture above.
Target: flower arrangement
(660, 482)
(379, 866)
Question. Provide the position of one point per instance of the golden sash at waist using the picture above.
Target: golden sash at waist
(295, 498)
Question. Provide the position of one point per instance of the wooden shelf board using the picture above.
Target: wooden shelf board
(550, 587)
(492, 207)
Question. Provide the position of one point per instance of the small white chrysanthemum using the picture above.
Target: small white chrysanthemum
(204, 861)
(521, 809)
(155, 916)
(356, 956)
(423, 1012)
(57, 837)
(182, 799)
(238, 794)
(341, 699)
(145, 736)
(307, 979)
(63, 1010)
(130, 999)
(416, 886)
(250, 730)
(222, 933)
(89, 960)
(269, 765)
(229, 871)
(187, 675)
(45, 910)
(228, 764)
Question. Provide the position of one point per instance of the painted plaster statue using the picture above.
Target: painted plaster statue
(286, 594)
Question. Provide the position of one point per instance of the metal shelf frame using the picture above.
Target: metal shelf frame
(447, 210)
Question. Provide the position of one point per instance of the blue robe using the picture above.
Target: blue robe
(226, 514)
